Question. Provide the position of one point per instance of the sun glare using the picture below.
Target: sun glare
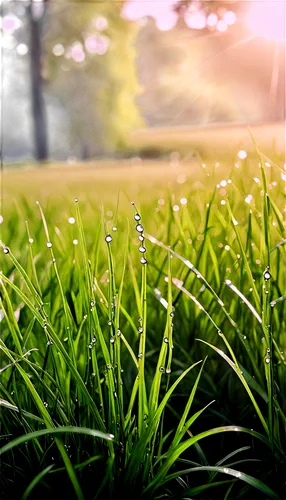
(267, 19)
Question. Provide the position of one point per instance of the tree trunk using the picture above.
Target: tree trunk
(36, 19)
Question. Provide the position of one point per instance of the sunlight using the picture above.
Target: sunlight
(267, 19)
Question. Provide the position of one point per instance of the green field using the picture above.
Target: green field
(126, 379)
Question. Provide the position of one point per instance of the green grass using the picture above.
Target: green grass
(163, 379)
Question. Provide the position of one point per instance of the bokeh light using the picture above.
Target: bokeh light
(196, 20)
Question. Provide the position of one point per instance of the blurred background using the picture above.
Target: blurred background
(105, 79)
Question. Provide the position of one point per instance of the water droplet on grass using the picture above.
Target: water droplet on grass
(141, 237)
(31, 240)
(108, 238)
(142, 249)
(166, 340)
(267, 360)
(76, 200)
(45, 404)
(172, 314)
(114, 228)
(140, 329)
(93, 340)
(109, 323)
(137, 217)
(266, 275)
(112, 340)
(168, 370)
(143, 260)
(92, 303)
(162, 369)
(140, 355)
(49, 244)
(6, 250)
(139, 228)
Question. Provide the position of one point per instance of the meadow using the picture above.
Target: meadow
(143, 330)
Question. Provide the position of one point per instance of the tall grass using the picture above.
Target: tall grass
(129, 336)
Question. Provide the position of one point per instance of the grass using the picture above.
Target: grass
(157, 379)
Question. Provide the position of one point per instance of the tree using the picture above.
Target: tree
(82, 61)
(90, 70)
(36, 13)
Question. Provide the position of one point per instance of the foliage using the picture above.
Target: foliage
(99, 93)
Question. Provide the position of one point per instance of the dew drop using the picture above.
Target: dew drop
(53, 260)
(266, 274)
(90, 346)
(6, 250)
(140, 329)
(76, 200)
(31, 240)
(108, 238)
(49, 343)
(162, 369)
(141, 237)
(142, 249)
(139, 228)
(93, 340)
(140, 355)
(137, 217)
(143, 260)
(168, 370)
(92, 303)
(118, 333)
(112, 340)
(45, 404)
(267, 360)
(49, 244)
(139, 320)
(109, 323)
(166, 340)
(172, 314)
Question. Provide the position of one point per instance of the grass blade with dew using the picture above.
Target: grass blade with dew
(174, 454)
(55, 339)
(166, 348)
(256, 483)
(49, 424)
(134, 463)
(142, 395)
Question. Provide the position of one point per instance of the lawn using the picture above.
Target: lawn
(143, 330)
